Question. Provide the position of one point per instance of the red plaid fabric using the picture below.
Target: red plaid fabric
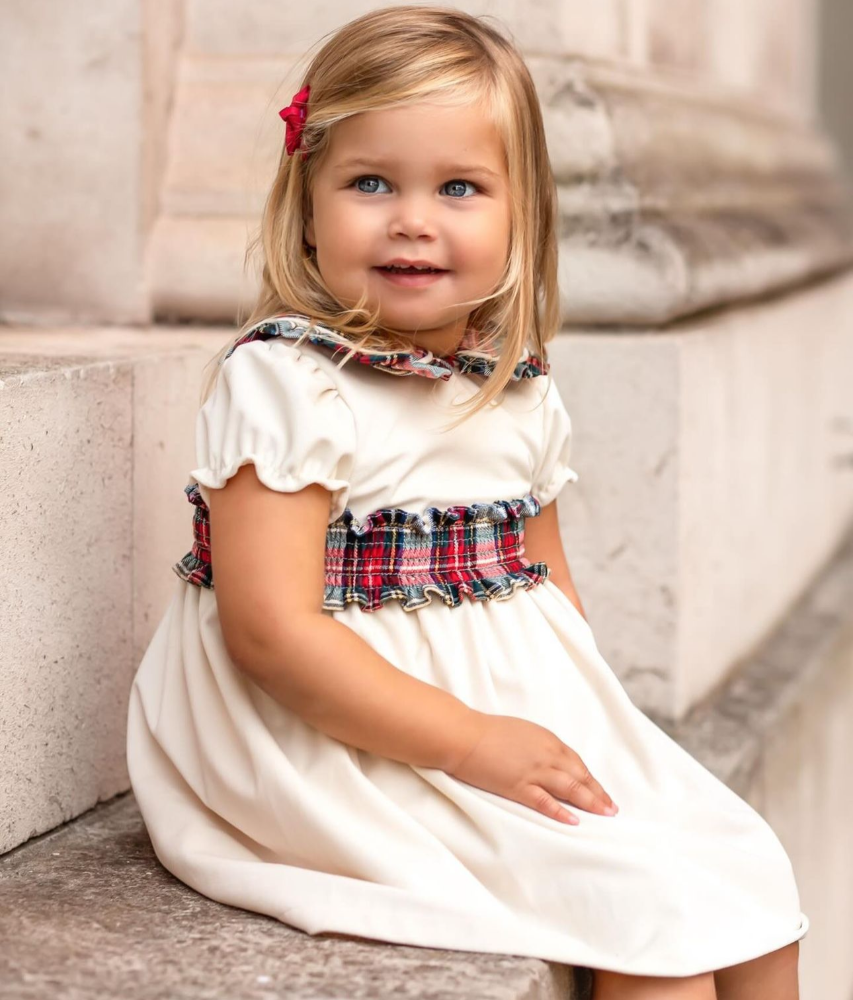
(397, 554)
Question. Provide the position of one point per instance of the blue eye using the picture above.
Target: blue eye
(372, 177)
(469, 183)
(368, 178)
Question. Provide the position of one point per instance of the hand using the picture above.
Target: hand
(529, 764)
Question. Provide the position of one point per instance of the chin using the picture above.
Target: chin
(410, 325)
(412, 318)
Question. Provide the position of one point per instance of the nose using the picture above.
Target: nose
(412, 217)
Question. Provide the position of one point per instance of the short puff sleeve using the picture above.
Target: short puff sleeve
(274, 406)
(552, 469)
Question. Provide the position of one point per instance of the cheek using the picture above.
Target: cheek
(487, 252)
(343, 215)
(335, 254)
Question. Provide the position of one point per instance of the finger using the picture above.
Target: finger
(541, 800)
(577, 766)
(573, 788)
(596, 788)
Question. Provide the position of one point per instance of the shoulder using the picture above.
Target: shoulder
(288, 344)
(273, 382)
(550, 392)
(272, 352)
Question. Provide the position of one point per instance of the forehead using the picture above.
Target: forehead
(422, 134)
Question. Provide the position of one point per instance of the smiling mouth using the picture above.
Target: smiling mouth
(395, 269)
(410, 278)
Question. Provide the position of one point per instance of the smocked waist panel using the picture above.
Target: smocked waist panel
(396, 554)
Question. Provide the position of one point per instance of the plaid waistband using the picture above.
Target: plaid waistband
(396, 554)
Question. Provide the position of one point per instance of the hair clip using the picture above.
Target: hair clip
(294, 115)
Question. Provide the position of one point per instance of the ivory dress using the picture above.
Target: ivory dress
(253, 807)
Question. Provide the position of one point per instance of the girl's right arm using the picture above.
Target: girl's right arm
(268, 558)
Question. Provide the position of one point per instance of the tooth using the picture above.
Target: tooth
(407, 268)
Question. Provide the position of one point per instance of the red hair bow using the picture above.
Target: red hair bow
(294, 115)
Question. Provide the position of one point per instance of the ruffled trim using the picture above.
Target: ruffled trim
(284, 482)
(418, 361)
(438, 517)
(195, 566)
(192, 569)
(486, 588)
(552, 489)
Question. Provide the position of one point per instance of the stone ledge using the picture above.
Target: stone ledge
(96, 429)
(675, 199)
(90, 912)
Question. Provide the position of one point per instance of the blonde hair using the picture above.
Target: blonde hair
(395, 56)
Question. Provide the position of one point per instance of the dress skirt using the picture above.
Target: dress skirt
(253, 807)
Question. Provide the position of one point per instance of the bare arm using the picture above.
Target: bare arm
(542, 542)
(267, 550)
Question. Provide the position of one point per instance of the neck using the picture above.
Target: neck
(442, 341)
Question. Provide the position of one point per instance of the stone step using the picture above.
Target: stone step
(88, 911)
(96, 435)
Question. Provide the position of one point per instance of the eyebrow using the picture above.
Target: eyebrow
(360, 161)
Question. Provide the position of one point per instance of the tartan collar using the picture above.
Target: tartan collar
(417, 361)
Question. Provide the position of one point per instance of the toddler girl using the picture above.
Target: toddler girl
(374, 705)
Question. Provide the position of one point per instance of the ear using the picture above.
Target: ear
(309, 233)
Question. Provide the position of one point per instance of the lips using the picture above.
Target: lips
(410, 279)
(410, 269)
(402, 262)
